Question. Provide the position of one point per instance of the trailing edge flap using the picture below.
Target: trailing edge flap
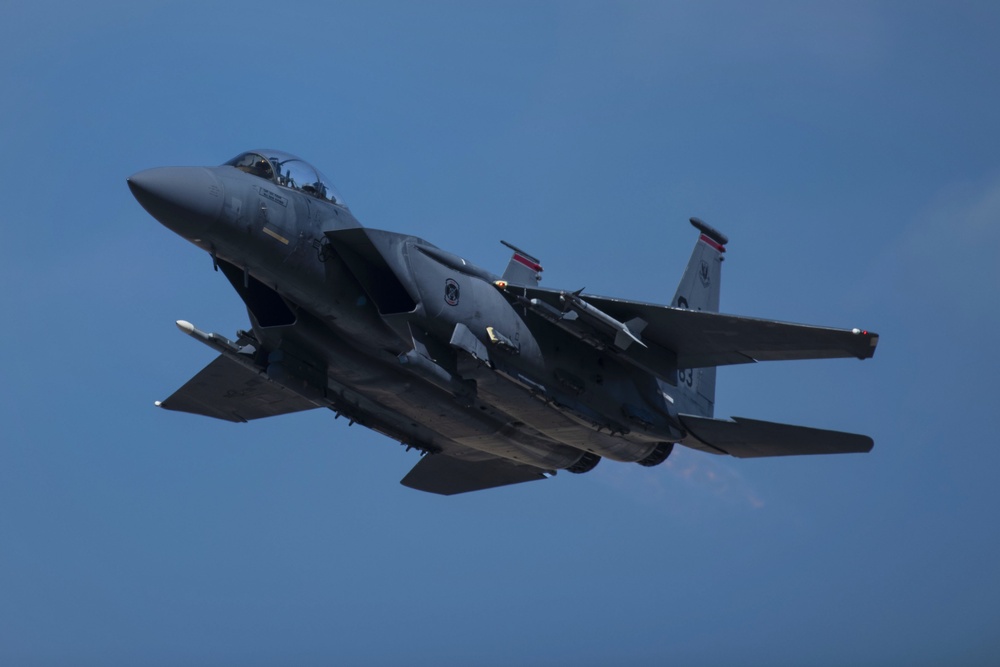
(226, 390)
(749, 438)
(376, 260)
(447, 475)
(703, 339)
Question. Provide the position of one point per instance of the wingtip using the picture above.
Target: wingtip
(872, 337)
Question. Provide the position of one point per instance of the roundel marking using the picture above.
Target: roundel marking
(451, 292)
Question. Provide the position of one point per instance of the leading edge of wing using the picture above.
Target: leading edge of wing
(447, 475)
(702, 339)
(751, 438)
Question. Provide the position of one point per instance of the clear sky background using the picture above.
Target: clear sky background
(850, 150)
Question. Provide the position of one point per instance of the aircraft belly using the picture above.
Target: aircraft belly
(562, 426)
(488, 430)
(376, 392)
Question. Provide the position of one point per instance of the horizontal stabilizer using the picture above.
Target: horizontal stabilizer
(749, 438)
(447, 475)
(226, 390)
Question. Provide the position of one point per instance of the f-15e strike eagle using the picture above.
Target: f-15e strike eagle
(494, 379)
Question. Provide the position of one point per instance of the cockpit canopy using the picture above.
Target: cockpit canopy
(289, 171)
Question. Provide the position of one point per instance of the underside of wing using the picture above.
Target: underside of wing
(750, 438)
(226, 390)
(447, 475)
(703, 339)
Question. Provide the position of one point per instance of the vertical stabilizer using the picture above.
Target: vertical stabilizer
(523, 269)
(699, 290)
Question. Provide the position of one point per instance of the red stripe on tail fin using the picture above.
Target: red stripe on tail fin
(534, 266)
(713, 243)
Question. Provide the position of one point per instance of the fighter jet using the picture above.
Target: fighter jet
(493, 379)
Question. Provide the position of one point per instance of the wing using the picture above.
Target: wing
(700, 339)
(448, 475)
(713, 339)
(226, 390)
(749, 438)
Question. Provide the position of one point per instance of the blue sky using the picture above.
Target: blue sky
(849, 150)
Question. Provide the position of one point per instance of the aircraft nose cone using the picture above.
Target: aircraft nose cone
(185, 199)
